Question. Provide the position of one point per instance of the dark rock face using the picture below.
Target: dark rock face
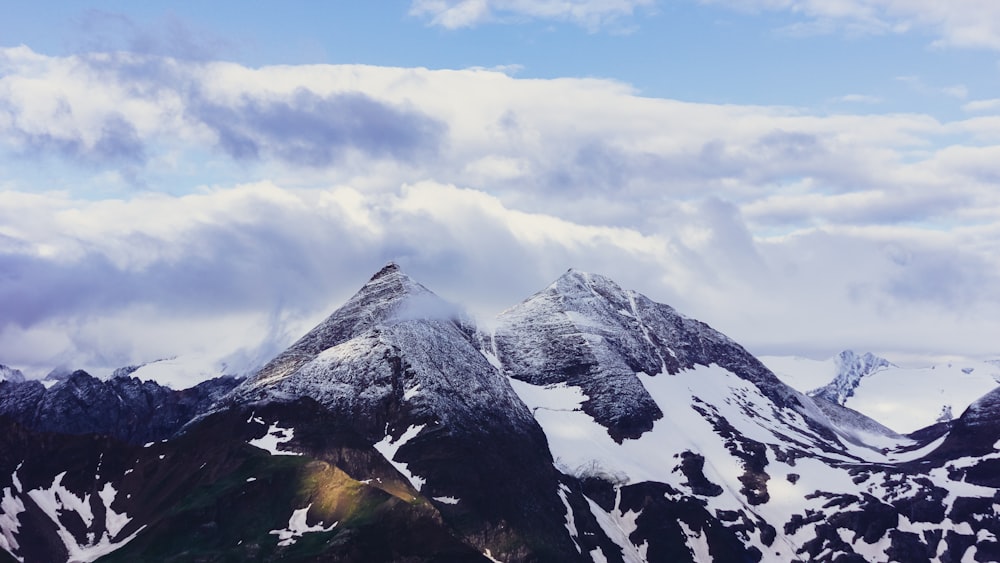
(976, 432)
(128, 409)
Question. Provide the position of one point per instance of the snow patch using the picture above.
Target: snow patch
(447, 500)
(275, 436)
(570, 519)
(388, 448)
(618, 527)
(297, 527)
(114, 522)
(411, 392)
(57, 499)
(696, 542)
(10, 507)
(492, 359)
(597, 556)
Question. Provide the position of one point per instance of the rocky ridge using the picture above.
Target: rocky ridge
(851, 367)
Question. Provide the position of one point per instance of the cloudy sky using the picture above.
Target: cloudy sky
(212, 178)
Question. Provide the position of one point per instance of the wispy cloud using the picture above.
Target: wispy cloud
(107, 31)
(975, 106)
(591, 14)
(955, 24)
(860, 99)
(958, 91)
(917, 84)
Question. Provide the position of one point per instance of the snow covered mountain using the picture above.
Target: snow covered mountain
(905, 399)
(592, 425)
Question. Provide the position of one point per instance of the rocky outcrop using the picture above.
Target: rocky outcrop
(850, 367)
(125, 408)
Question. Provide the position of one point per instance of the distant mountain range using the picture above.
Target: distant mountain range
(592, 424)
(904, 399)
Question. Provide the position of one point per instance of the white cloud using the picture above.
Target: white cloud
(592, 14)
(860, 99)
(955, 23)
(244, 270)
(974, 106)
(959, 91)
(790, 231)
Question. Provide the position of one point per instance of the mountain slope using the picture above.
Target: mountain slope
(586, 331)
(403, 370)
(737, 466)
(236, 487)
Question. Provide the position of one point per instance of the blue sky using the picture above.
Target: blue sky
(804, 175)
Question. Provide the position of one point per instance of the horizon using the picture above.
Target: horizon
(806, 177)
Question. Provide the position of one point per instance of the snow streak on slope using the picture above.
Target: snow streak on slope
(388, 448)
(10, 508)
(57, 501)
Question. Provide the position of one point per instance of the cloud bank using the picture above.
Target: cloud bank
(205, 206)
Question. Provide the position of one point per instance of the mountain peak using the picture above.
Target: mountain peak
(851, 367)
(389, 269)
(573, 275)
(577, 285)
(585, 331)
(389, 297)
